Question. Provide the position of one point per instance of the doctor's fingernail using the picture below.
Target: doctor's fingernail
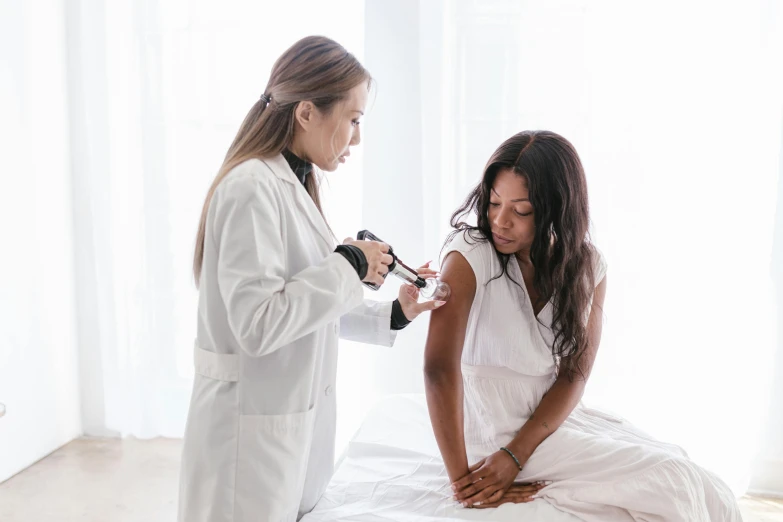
(439, 303)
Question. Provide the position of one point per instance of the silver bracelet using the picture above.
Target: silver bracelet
(513, 457)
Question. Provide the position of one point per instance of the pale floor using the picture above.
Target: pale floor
(136, 481)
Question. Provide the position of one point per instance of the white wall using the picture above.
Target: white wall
(392, 199)
(768, 470)
(38, 353)
(390, 206)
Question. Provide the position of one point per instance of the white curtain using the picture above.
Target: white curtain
(675, 109)
(157, 91)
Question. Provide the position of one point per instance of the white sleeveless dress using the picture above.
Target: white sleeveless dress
(602, 468)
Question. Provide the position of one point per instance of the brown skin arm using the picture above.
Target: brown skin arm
(442, 370)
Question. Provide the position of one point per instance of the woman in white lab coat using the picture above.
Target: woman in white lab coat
(275, 294)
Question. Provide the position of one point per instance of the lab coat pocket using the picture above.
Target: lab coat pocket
(271, 465)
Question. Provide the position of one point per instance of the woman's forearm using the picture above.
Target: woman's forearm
(565, 394)
(553, 410)
(444, 400)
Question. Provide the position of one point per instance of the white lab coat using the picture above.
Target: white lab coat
(259, 442)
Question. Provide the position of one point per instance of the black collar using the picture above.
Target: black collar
(301, 168)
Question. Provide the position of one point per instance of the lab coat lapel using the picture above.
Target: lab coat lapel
(304, 202)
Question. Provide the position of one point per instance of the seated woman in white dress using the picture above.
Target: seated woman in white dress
(507, 361)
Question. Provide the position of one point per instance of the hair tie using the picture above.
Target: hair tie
(266, 98)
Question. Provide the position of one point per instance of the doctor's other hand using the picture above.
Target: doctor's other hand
(378, 259)
(409, 295)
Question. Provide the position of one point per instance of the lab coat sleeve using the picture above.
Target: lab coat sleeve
(265, 310)
(369, 323)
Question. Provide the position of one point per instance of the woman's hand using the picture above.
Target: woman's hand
(488, 480)
(518, 493)
(409, 295)
(378, 259)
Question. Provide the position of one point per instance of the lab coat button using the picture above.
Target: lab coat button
(328, 391)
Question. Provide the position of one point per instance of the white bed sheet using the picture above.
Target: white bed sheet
(392, 471)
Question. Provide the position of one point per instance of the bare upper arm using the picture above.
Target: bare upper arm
(594, 327)
(448, 323)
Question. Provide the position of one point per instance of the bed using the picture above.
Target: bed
(392, 471)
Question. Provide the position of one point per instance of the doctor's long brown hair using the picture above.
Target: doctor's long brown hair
(316, 69)
(561, 253)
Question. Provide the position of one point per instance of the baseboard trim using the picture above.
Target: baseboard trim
(763, 493)
(29, 465)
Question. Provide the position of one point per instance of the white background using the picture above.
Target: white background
(116, 116)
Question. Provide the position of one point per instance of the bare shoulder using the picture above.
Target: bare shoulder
(458, 273)
(448, 324)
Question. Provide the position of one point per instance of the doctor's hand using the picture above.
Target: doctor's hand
(409, 295)
(378, 260)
